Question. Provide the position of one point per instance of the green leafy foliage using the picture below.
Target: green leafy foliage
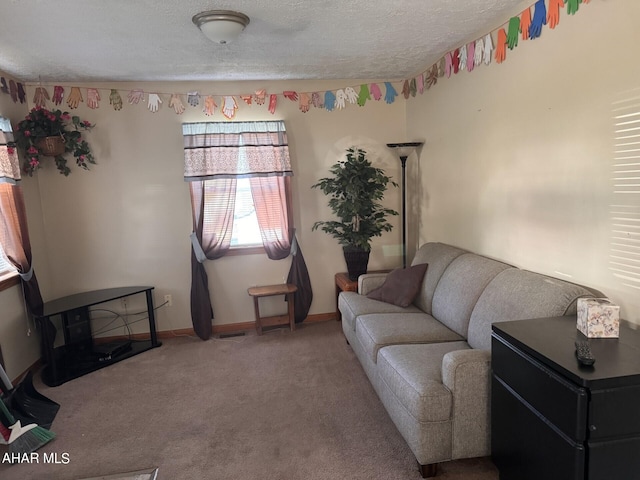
(355, 191)
(41, 123)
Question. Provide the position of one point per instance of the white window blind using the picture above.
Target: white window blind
(5, 267)
(624, 259)
(246, 231)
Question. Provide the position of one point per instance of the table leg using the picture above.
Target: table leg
(256, 309)
(152, 319)
(48, 336)
(338, 314)
(292, 317)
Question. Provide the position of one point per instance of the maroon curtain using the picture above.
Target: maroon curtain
(14, 236)
(299, 276)
(271, 198)
(212, 206)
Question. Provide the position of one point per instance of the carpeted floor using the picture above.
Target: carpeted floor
(281, 406)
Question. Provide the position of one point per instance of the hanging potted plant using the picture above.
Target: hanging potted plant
(355, 190)
(45, 133)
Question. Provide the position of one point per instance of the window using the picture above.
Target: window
(239, 176)
(624, 258)
(245, 232)
(5, 267)
(8, 275)
(9, 175)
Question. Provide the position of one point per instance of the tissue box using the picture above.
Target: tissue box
(598, 318)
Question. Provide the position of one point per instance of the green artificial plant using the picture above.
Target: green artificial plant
(356, 190)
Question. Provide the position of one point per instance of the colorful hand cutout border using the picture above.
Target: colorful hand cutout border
(528, 25)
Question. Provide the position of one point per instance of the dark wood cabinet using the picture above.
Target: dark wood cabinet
(555, 419)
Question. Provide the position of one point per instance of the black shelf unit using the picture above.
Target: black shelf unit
(77, 356)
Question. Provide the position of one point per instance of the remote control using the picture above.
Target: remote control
(583, 353)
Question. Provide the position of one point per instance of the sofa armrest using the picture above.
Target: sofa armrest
(467, 373)
(370, 281)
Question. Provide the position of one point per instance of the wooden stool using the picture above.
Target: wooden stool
(268, 291)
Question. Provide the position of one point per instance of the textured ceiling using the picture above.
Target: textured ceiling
(155, 40)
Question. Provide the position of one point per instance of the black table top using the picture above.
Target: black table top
(87, 299)
(552, 342)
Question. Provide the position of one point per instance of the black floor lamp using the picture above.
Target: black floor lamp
(404, 150)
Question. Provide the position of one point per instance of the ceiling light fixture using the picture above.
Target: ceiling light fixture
(221, 26)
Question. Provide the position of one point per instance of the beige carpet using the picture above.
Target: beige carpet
(282, 406)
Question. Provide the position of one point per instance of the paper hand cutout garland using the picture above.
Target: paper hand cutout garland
(229, 107)
(364, 94)
(513, 32)
(528, 25)
(209, 106)
(40, 97)
(93, 98)
(115, 99)
(175, 102)
(553, 14)
(135, 96)
(193, 99)
(153, 102)
(304, 102)
(525, 23)
(75, 97)
(351, 94)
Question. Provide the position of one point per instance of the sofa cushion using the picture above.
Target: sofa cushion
(370, 281)
(379, 330)
(414, 374)
(459, 288)
(352, 305)
(401, 285)
(519, 295)
(438, 256)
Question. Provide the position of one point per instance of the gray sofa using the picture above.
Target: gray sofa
(430, 362)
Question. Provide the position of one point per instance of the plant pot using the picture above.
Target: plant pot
(357, 261)
(51, 146)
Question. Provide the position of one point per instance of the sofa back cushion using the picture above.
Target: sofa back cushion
(519, 295)
(459, 288)
(438, 256)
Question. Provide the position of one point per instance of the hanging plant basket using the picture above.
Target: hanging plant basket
(51, 146)
(56, 134)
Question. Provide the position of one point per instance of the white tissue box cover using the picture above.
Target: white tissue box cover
(598, 318)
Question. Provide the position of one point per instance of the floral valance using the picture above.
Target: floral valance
(9, 164)
(235, 150)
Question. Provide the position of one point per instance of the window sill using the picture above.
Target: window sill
(246, 250)
(9, 280)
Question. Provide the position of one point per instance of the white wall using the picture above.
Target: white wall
(518, 158)
(127, 221)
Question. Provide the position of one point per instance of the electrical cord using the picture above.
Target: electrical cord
(116, 317)
(127, 324)
(104, 329)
